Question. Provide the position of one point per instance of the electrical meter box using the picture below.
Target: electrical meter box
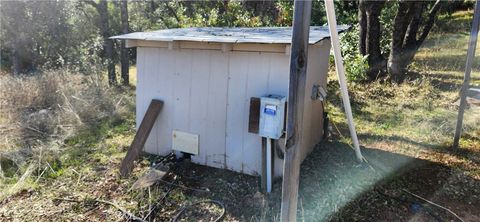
(272, 116)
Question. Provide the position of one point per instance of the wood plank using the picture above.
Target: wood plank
(182, 82)
(263, 177)
(140, 138)
(254, 115)
(140, 97)
(313, 112)
(162, 89)
(145, 93)
(224, 47)
(257, 85)
(273, 143)
(199, 102)
(278, 74)
(278, 84)
(145, 43)
(296, 94)
(238, 72)
(217, 109)
(200, 45)
(248, 47)
(131, 43)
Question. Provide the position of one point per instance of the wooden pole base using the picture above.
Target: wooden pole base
(141, 136)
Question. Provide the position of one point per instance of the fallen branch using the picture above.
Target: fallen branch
(434, 204)
(126, 213)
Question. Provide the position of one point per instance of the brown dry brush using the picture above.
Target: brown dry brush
(38, 112)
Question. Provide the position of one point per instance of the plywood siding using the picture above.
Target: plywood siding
(217, 110)
(317, 69)
(208, 93)
(142, 97)
(193, 85)
(237, 82)
(251, 75)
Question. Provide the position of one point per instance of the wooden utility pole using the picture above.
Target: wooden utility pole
(468, 69)
(296, 93)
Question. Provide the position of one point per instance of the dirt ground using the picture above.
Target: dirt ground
(333, 187)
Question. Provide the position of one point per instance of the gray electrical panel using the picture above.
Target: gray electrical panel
(272, 116)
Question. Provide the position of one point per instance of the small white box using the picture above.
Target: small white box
(185, 142)
(272, 116)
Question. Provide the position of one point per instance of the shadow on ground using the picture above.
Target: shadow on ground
(335, 187)
(471, 154)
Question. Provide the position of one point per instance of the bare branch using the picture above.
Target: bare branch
(432, 15)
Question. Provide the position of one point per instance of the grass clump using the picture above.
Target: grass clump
(52, 120)
(418, 117)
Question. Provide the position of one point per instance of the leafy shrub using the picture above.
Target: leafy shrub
(356, 65)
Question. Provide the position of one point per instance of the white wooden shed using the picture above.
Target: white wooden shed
(207, 77)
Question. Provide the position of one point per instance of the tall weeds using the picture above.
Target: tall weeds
(38, 112)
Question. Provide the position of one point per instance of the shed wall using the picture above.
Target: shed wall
(207, 92)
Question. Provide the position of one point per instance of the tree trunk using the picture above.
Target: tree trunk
(362, 21)
(223, 8)
(124, 50)
(396, 64)
(369, 19)
(405, 40)
(375, 60)
(14, 20)
(102, 9)
(15, 62)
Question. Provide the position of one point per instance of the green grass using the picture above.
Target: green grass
(419, 114)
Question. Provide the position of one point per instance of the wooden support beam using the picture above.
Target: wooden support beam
(295, 107)
(332, 27)
(468, 69)
(141, 136)
(130, 43)
(264, 165)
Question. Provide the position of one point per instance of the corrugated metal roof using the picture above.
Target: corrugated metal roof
(271, 35)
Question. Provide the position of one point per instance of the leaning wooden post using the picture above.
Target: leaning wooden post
(468, 69)
(332, 26)
(296, 94)
(141, 137)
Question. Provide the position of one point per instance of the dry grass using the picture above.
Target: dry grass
(37, 114)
